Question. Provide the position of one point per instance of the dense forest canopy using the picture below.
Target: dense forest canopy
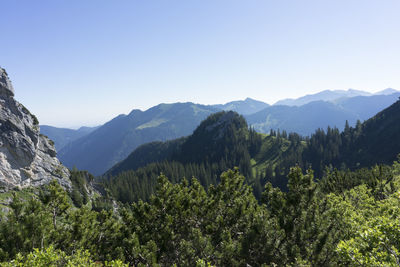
(345, 219)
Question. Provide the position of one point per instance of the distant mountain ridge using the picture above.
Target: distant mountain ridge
(244, 107)
(116, 139)
(112, 142)
(326, 95)
(307, 118)
(387, 91)
(303, 119)
(367, 106)
(63, 136)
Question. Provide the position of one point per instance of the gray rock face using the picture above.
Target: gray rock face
(6, 87)
(26, 157)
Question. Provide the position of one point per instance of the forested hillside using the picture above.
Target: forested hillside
(377, 140)
(224, 141)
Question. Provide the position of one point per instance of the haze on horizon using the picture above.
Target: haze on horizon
(76, 63)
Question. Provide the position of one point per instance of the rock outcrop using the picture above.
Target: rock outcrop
(26, 156)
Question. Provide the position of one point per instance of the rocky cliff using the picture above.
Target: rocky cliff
(26, 157)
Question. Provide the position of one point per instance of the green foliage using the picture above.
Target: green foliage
(81, 187)
(374, 220)
(187, 224)
(202, 263)
(57, 258)
(376, 244)
(313, 223)
(34, 118)
(56, 200)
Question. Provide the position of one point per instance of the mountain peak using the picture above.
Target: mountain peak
(249, 99)
(244, 107)
(216, 125)
(221, 118)
(134, 112)
(219, 133)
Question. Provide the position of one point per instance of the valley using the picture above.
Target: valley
(192, 184)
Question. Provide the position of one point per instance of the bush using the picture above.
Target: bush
(52, 257)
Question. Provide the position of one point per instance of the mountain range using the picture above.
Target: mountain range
(224, 140)
(331, 95)
(307, 118)
(100, 148)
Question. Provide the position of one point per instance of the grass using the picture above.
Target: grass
(152, 123)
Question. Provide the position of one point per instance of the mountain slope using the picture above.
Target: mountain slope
(113, 141)
(303, 120)
(379, 141)
(222, 141)
(147, 153)
(63, 136)
(220, 136)
(244, 107)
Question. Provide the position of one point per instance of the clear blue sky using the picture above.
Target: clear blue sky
(78, 63)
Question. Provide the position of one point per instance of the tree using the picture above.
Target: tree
(56, 200)
(53, 257)
(375, 239)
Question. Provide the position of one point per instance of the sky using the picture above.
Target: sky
(75, 63)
